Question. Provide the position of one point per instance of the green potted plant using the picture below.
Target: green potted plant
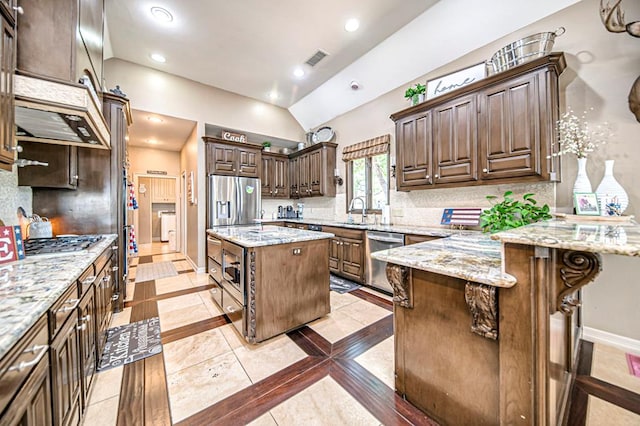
(266, 146)
(511, 213)
(416, 93)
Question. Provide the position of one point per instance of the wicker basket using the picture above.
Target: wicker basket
(523, 50)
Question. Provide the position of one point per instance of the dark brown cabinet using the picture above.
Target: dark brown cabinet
(62, 169)
(510, 142)
(66, 372)
(25, 389)
(497, 130)
(87, 327)
(275, 175)
(311, 171)
(232, 158)
(346, 253)
(7, 68)
(62, 39)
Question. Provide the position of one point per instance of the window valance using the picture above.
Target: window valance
(376, 146)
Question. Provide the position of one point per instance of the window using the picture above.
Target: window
(368, 173)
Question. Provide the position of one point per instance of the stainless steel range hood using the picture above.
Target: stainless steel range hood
(53, 111)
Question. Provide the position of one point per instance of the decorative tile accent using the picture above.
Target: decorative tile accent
(13, 196)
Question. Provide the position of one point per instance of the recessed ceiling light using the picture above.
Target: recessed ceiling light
(152, 141)
(158, 58)
(155, 119)
(161, 14)
(273, 95)
(351, 25)
(298, 72)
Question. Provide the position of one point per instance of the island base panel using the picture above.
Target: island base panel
(441, 366)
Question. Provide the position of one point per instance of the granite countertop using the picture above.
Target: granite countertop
(622, 238)
(29, 287)
(433, 231)
(265, 235)
(473, 257)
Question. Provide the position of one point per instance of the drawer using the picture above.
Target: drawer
(104, 257)
(20, 361)
(216, 292)
(214, 269)
(61, 310)
(214, 249)
(344, 232)
(86, 280)
(234, 311)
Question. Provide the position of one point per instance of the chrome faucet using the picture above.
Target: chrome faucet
(364, 211)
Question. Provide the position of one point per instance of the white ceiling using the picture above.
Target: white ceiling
(251, 47)
(169, 135)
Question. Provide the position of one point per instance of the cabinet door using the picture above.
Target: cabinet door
(304, 185)
(334, 255)
(248, 162)
(87, 326)
(413, 151)
(294, 177)
(316, 173)
(221, 160)
(455, 141)
(508, 130)
(7, 67)
(32, 405)
(280, 178)
(65, 373)
(266, 176)
(352, 258)
(62, 171)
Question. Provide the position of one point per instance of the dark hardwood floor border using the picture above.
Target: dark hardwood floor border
(372, 298)
(193, 328)
(616, 395)
(163, 296)
(144, 396)
(364, 339)
(145, 259)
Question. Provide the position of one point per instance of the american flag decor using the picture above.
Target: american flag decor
(11, 247)
(470, 217)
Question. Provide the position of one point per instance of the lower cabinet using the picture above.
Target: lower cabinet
(346, 253)
(87, 327)
(66, 373)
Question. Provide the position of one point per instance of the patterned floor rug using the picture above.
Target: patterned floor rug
(131, 342)
(342, 285)
(154, 271)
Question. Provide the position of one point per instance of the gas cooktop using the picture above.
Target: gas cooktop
(60, 244)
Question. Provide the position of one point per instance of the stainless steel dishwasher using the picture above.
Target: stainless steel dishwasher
(375, 269)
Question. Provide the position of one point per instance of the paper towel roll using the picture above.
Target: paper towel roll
(386, 215)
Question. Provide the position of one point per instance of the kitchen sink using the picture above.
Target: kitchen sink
(358, 225)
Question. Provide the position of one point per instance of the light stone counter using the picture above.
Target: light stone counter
(595, 237)
(265, 235)
(472, 257)
(29, 287)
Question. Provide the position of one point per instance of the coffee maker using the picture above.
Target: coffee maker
(300, 210)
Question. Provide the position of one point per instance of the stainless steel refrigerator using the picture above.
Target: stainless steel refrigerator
(232, 200)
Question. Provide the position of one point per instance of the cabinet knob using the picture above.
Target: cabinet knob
(428, 176)
(436, 176)
(275, 192)
(20, 11)
(485, 170)
(16, 148)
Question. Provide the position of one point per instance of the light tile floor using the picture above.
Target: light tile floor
(217, 363)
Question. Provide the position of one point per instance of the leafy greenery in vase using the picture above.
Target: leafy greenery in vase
(413, 92)
(511, 213)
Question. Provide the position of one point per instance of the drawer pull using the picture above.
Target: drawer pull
(114, 269)
(115, 297)
(74, 304)
(81, 327)
(89, 280)
(106, 280)
(114, 248)
(231, 309)
(213, 271)
(27, 364)
(86, 318)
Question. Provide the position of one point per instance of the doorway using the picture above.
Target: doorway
(158, 212)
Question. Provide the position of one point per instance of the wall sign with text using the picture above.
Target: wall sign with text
(446, 83)
(234, 137)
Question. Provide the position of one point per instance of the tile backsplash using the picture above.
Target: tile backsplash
(12, 197)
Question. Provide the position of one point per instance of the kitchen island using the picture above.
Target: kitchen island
(269, 279)
(488, 333)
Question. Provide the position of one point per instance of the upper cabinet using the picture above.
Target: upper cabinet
(311, 171)
(62, 39)
(7, 68)
(275, 175)
(232, 158)
(497, 130)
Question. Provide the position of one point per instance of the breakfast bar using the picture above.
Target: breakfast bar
(486, 331)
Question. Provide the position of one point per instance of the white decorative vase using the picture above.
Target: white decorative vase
(610, 191)
(582, 183)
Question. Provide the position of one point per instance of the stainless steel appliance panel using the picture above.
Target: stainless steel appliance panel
(233, 270)
(375, 270)
(235, 311)
(232, 200)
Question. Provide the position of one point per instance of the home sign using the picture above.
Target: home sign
(234, 137)
(446, 83)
